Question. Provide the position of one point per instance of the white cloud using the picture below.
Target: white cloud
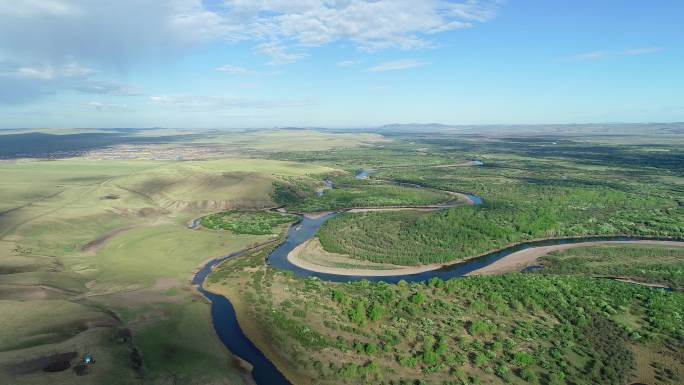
(598, 55)
(106, 88)
(44, 72)
(348, 63)
(278, 53)
(27, 8)
(116, 32)
(233, 70)
(115, 35)
(588, 56)
(369, 24)
(98, 106)
(397, 65)
(23, 83)
(198, 103)
(379, 88)
(641, 51)
(106, 34)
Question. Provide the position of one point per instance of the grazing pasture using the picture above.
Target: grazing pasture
(89, 248)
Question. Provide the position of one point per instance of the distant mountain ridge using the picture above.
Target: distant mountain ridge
(675, 128)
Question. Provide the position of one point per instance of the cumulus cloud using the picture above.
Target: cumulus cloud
(397, 65)
(278, 53)
(370, 24)
(117, 31)
(112, 36)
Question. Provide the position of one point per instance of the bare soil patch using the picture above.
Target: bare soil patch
(52, 363)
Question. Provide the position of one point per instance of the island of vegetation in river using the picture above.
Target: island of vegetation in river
(533, 190)
(247, 222)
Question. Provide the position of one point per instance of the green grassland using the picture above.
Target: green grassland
(291, 140)
(392, 154)
(517, 329)
(91, 248)
(648, 264)
(173, 143)
(532, 191)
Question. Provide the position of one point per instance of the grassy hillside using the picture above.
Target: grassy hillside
(96, 256)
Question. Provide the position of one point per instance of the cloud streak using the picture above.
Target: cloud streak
(641, 51)
(24, 83)
(234, 70)
(397, 65)
(599, 55)
(202, 103)
(348, 63)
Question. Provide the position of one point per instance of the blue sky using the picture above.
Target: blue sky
(338, 63)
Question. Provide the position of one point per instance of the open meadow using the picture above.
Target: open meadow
(98, 250)
(96, 258)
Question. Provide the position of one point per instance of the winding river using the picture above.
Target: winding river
(264, 371)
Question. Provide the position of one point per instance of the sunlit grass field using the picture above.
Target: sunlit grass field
(88, 248)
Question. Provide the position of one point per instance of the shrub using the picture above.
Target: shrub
(528, 375)
(523, 359)
(482, 327)
(418, 298)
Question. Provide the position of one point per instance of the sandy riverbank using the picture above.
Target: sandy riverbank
(317, 215)
(311, 256)
(528, 257)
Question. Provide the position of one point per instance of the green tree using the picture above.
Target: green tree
(375, 312)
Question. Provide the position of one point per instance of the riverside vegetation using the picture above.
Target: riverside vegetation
(649, 264)
(246, 222)
(350, 193)
(517, 328)
(559, 325)
(532, 188)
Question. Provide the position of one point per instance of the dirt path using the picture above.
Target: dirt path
(463, 164)
(96, 244)
(527, 257)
